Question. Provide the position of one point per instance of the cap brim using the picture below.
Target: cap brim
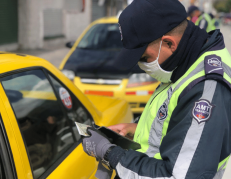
(128, 58)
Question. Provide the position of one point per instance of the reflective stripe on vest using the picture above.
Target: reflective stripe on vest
(154, 121)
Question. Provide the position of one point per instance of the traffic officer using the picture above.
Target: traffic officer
(193, 13)
(215, 21)
(203, 20)
(185, 128)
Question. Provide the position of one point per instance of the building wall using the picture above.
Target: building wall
(102, 8)
(46, 23)
(49, 23)
(30, 24)
(77, 21)
(8, 24)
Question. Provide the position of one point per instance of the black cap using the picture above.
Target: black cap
(144, 21)
(191, 9)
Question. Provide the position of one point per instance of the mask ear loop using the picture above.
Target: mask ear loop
(159, 50)
(158, 61)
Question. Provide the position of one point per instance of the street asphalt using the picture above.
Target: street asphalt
(226, 30)
(56, 56)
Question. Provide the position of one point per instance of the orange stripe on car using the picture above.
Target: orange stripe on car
(100, 93)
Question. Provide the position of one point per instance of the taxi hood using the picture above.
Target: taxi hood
(113, 110)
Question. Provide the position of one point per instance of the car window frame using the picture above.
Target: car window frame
(59, 100)
(6, 156)
(93, 122)
(74, 145)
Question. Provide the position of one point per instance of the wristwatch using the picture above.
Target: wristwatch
(105, 161)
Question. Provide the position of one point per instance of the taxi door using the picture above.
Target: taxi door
(38, 114)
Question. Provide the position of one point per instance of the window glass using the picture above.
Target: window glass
(75, 110)
(46, 131)
(96, 53)
(102, 36)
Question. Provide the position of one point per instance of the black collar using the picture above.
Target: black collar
(187, 52)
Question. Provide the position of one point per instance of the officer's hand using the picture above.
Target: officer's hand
(125, 129)
(96, 144)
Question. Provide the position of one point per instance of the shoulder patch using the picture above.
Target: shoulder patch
(213, 64)
(202, 110)
(162, 112)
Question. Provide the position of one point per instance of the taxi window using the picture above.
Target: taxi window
(46, 130)
(75, 110)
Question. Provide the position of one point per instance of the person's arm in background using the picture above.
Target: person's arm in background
(191, 149)
(203, 24)
(125, 129)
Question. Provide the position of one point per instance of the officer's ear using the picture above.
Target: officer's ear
(170, 42)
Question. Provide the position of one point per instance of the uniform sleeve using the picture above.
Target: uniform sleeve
(193, 145)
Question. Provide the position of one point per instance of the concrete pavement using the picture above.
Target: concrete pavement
(226, 31)
(52, 54)
(56, 56)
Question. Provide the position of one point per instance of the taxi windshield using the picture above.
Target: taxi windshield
(95, 55)
(102, 36)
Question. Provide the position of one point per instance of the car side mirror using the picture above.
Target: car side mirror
(70, 44)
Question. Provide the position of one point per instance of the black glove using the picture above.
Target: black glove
(97, 144)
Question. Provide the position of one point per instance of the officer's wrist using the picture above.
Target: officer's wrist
(105, 160)
(107, 153)
(115, 155)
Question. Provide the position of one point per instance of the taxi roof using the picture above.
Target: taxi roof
(13, 61)
(112, 19)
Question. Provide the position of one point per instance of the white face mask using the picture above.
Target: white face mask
(155, 71)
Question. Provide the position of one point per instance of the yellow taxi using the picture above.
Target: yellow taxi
(38, 108)
(90, 65)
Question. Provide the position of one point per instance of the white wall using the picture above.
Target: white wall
(31, 20)
(76, 22)
(30, 24)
